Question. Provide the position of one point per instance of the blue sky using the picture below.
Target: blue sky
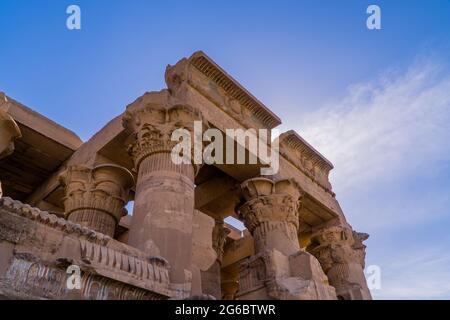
(376, 103)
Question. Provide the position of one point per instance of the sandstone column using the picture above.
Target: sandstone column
(341, 254)
(270, 213)
(95, 198)
(164, 202)
(9, 131)
(279, 269)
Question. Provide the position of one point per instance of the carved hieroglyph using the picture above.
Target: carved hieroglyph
(164, 202)
(96, 197)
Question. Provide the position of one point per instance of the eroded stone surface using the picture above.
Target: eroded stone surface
(95, 198)
(279, 269)
(175, 243)
(9, 131)
(341, 254)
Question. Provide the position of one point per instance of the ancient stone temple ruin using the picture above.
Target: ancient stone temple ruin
(63, 206)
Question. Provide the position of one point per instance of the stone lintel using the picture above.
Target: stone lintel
(236, 92)
(294, 140)
(307, 159)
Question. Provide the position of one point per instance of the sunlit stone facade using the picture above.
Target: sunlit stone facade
(64, 204)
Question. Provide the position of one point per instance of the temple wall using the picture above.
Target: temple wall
(36, 248)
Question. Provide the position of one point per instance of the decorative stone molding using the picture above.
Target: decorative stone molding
(149, 273)
(306, 159)
(271, 213)
(53, 221)
(207, 78)
(31, 278)
(96, 197)
(341, 256)
(110, 269)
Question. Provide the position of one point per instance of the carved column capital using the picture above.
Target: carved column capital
(271, 213)
(95, 197)
(151, 122)
(269, 201)
(332, 246)
(341, 254)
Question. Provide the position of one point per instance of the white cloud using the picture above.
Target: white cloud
(386, 129)
(419, 274)
(389, 141)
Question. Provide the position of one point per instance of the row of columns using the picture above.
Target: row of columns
(271, 214)
(164, 191)
(164, 203)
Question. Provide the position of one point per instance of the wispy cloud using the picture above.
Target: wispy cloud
(389, 141)
(422, 275)
(380, 136)
(385, 129)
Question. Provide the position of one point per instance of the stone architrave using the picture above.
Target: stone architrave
(95, 198)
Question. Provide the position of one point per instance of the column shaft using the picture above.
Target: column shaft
(163, 211)
(164, 202)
